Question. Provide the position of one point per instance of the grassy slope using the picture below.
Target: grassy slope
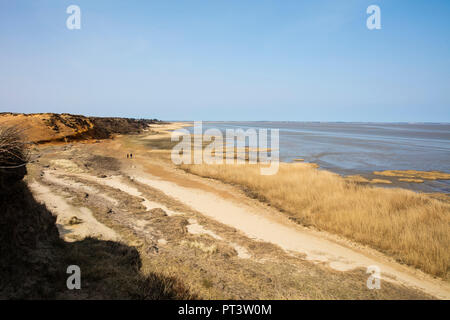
(411, 227)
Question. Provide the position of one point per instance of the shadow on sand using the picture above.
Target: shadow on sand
(34, 260)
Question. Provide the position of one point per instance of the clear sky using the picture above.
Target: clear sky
(228, 59)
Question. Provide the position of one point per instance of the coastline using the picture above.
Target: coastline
(349, 148)
(180, 222)
(431, 182)
(155, 183)
(314, 164)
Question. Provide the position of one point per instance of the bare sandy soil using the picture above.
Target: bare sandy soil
(224, 244)
(86, 226)
(316, 246)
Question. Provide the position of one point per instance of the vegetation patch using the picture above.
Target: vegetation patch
(411, 227)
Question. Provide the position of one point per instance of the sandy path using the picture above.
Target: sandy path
(289, 237)
(51, 177)
(63, 211)
(117, 182)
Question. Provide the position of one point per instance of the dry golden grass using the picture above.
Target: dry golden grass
(414, 174)
(411, 180)
(413, 228)
(186, 265)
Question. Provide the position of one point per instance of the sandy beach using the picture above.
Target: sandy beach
(221, 242)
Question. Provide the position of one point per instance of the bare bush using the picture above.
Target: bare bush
(14, 150)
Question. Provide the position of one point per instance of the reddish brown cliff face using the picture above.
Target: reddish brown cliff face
(48, 127)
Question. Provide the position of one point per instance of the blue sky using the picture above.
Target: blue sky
(228, 60)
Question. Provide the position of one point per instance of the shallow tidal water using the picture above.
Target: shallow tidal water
(361, 148)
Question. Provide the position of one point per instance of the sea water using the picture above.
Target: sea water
(361, 148)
